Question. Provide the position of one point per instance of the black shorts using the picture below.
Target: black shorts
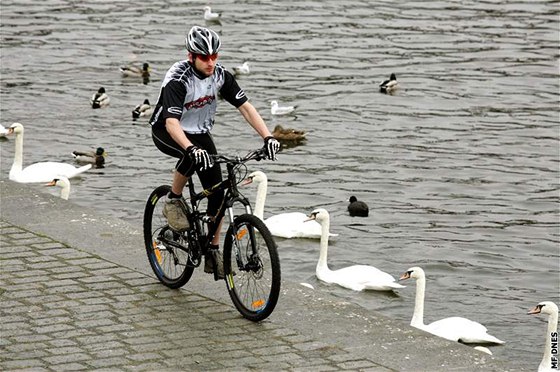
(185, 165)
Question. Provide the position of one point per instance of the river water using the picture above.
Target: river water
(460, 166)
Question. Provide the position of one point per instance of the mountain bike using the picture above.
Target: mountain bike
(250, 257)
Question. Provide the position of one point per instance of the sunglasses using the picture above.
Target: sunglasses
(206, 58)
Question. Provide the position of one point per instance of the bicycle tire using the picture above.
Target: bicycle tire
(253, 284)
(168, 263)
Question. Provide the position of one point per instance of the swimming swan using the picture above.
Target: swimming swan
(38, 172)
(453, 328)
(551, 309)
(64, 185)
(284, 225)
(357, 277)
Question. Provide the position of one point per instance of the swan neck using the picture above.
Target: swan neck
(551, 331)
(324, 243)
(418, 316)
(17, 165)
(261, 199)
(65, 192)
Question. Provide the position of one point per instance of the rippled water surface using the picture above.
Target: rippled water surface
(460, 166)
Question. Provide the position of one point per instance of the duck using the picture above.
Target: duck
(288, 134)
(242, 70)
(357, 208)
(356, 277)
(38, 172)
(549, 308)
(280, 110)
(389, 85)
(134, 71)
(64, 184)
(142, 110)
(284, 225)
(210, 16)
(100, 99)
(455, 328)
(96, 157)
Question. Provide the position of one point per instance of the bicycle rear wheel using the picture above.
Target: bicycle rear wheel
(252, 267)
(169, 263)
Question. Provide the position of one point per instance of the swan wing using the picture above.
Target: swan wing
(366, 278)
(46, 171)
(294, 225)
(462, 329)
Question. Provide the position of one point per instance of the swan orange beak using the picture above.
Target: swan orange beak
(535, 310)
(405, 276)
(247, 181)
(52, 183)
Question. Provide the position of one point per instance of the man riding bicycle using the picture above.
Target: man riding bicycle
(183, 118)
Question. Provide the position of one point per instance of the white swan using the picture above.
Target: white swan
(551, 309)
(64, 184)
(284, 225)
(453, 328)
(38, 172)
(357, 277)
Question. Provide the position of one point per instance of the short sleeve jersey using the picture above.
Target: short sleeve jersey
(193, 99)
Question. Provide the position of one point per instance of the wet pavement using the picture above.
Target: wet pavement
(77, 293)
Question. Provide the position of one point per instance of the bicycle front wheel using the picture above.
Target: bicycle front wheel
(167, 250)
(252, 267)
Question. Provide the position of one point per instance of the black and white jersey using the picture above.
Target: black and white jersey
(193, 99)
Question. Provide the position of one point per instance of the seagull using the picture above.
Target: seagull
(209, 16)
(388, 85)
(242, 70)
(280, 110)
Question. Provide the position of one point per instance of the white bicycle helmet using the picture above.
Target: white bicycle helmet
(203, 41)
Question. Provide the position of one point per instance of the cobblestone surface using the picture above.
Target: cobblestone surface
(77, 293)
(67, 310)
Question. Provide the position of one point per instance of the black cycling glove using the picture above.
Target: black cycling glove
(200, 157)
(271, 147)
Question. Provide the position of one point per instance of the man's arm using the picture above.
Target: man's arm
(253, 117)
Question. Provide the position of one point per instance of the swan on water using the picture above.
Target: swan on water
(357, 277)
(549, 308)
(453, 328)
(38, 172)
(284, 225)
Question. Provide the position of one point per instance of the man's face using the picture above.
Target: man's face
(205, 64)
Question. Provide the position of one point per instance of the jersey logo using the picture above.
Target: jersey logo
(201, 102)
(240, 94)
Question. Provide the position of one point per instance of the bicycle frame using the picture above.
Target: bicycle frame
(231, 197)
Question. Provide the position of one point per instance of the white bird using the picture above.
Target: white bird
(100, 99)
(242, 70)
(3, 131)
(284, 225)
(210, 16)
(453, 328)
(280, 110)
(549, 308)
(64, 184)
(357, 277)
(38, 172)
(142, 110)
(389, 85)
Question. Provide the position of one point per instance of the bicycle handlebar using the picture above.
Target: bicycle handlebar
(257, 155)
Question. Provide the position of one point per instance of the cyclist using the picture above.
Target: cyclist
(183, 118)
